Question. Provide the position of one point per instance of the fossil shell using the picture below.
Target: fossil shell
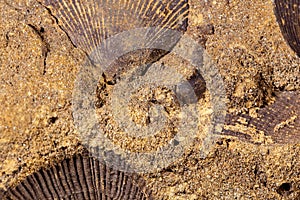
(81, 177)
(279, 121)
(288, 17)
(89, 22)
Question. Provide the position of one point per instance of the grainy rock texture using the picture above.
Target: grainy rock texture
(39, 64)
(38, 68)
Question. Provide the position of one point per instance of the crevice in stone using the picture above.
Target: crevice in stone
(6, 39)
(56, 21)
(68, 36)
(45, 44)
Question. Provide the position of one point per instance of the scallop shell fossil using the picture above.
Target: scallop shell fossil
(288, 17)
(81, 177)
(278, 123)
(89, 22)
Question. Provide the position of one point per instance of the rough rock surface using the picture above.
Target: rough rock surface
(39, 64)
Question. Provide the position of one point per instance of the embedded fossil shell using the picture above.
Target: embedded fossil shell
(81, 177)
(89, 22)
(279, 121)
(288, 17)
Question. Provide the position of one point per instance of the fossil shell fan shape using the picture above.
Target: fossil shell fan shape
(81, 177)
(288, 17)
(89, 22)
(279, 121)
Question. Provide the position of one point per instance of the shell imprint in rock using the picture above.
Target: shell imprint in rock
(81, 177)
(288, 17)
(89, 22)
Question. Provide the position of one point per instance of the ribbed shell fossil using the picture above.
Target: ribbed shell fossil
(89, 22)
(280, 122)
(288, 17)
(81, 177)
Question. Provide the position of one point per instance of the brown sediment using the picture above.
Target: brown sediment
(260, 72)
